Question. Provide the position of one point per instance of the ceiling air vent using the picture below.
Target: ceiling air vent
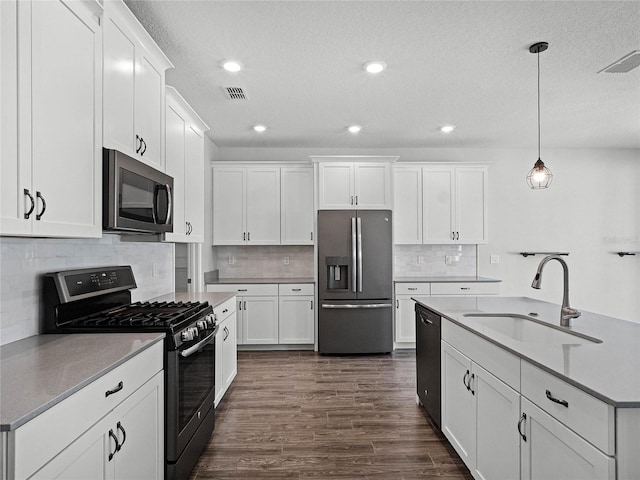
(625, 64)
(235, 93)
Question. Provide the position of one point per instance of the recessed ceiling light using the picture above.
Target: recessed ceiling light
(355, 129)
(231, 65)
(447, 128)
(375, 67)
(259, 128)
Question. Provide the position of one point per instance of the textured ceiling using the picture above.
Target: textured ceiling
(449, 62)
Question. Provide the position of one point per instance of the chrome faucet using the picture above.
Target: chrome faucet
(566, 313)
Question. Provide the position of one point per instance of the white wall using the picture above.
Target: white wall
(591, 210)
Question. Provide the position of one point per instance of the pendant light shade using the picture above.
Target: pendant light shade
(539, 176)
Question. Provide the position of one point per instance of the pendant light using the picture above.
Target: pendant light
(539, 176)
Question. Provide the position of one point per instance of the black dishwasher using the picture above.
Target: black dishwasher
(428, 361)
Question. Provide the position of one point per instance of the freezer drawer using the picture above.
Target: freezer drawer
(354, 327)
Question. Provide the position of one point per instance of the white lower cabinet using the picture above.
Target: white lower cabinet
(226, 348)
(552, 450)
(95, 434)
(508, 419)
(479, 415)
(272, 314)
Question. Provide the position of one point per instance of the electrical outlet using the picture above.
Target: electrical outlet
(286, 260)
(494, 258)
(231, 260)
(420, 259)
(448, 259)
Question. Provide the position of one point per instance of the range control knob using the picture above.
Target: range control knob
(202, 324)
(211, 320)
(187, 335)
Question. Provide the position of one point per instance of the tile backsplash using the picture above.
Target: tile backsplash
(22, 260)
(406, 260)
(266, 261)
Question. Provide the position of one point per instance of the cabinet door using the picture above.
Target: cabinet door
(471, 205)
(175, 138)
(149, 81)
(229, 352)
(552, 450)
(263, 206)
(405, 319)
(438, 191)
(229, 206)
(336, 186)
(66, 117)
(407, 206)
(139, 426)
(87, 457)
(296, 216)
(15, 172)
(372, 185)
(497, 440)
(119, 86)
(194, 184)
(260, 320)
(458, 404)
(296, 320)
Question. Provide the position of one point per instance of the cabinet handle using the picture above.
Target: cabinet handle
(522, 419)
(412, 288)
(312, 236)
(242, 289)
(457, 233)
(33, 203)
(124, 435)
(44, 206)
(465, 288)
(453, 235)
(244, 236)
(351, 199)
(473, 375)
(142, 142)
(111, 454)
(296, 289)
(356, 199)
(311, 304)
(464, 380)
(138, 143)
(397, 303)
(119, 387)
(245, 305)
(226, 333)
(225, 310)
(240, 305)
(248, 236)
(555, 400)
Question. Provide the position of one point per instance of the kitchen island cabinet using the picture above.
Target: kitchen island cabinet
(112, 388)
(577, 419)
(51, 118)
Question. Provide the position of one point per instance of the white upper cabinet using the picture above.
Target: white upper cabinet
(51, 118)
(246, 205)
(134, 73)
(407, 205)
(440, 204)
(296, 206)
(349, 184)
(184, 139)
(455, 204)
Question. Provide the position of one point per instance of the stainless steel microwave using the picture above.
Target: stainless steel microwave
(136, 198)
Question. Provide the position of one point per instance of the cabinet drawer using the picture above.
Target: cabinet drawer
(413, 288)
(295, 289)
(465, 288)
(502, 364)
(589, 417)
(40, 439)
(225, 309)
(254, 289)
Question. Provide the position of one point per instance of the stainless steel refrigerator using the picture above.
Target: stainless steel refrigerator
(355, 284)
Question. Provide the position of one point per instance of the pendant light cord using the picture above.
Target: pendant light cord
(538, 55)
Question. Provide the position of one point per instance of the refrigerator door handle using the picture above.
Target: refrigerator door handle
(351, 306)
(353, 254)
(359, 272)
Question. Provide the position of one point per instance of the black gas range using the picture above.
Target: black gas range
(98, 300)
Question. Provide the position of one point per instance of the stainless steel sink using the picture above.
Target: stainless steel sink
(523, 328)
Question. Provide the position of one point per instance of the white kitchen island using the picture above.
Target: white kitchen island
(537, 408)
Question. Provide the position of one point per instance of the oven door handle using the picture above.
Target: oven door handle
(191, 350)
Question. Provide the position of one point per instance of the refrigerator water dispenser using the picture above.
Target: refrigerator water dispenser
(337, 273)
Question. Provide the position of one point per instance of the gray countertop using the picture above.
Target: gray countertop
(260, 280)
(459, 279)
(607, 370)
(40, 371)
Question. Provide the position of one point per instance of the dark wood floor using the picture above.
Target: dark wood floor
(305, 415)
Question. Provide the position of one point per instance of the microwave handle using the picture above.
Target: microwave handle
(166, 188)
